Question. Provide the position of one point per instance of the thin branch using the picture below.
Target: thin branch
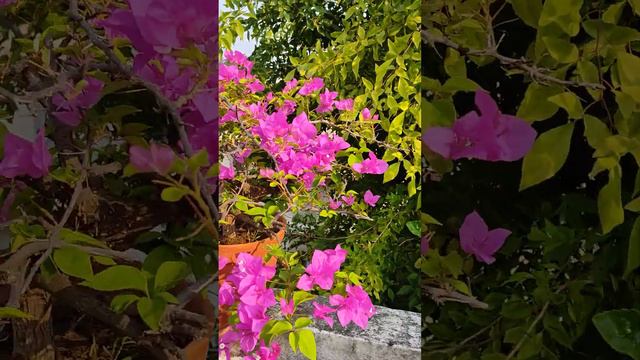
(523, 64)
(441, 295)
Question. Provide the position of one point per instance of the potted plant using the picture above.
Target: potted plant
(253, 287)
(280, 154)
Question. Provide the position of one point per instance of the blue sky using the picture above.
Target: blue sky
(245, 46)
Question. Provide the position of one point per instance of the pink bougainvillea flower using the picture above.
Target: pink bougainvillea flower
(366, 115)
(371, 199)
(238, 58)
(311, 86)
(290, 85)
(372, 165)
(324, 265)
(345, 104)
(477, 240)
(424, 244)
(226, 172)
(6, 2)
(70, 107)
(255, 86)
(157, 158)
(334, 204)
(222, 262)
(267, 173)
(226, 295)
(23, 157)
(250, 271)
(348, 200)
(287, 307)
(243, 155)
(326, 101)
(321, 312)
(485, 135)
(267, 352)
(356, 307)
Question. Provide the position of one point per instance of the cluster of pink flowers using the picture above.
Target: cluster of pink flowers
(156, 28)
(297, 146)
(347, 200)
(246, 287)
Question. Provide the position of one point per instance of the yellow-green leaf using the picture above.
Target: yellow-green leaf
(547, 156)
(610, 201)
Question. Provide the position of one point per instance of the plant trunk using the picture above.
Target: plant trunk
(33, 338)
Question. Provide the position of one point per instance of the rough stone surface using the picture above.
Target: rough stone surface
(391, 334)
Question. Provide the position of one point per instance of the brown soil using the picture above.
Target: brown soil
(242, 230)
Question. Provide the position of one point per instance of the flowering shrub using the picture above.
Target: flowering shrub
(286, 141)
(253, 287)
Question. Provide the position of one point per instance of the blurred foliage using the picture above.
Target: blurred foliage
(574, 252)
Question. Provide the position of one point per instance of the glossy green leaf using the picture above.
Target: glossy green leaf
(307, 343)
(570, 103)
(151, 311)
(610, 202)
(633, 251)
(528, 10)
(547, 156)
(169, 274)
(74, 262)
(13, 313)
(621, 330)
(119, 277)
(173, 194)
(535, 106)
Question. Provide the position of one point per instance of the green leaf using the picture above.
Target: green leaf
(391, 173)
(151, 311)
(595, 130)
(561, 49)
(77, 238)
(633, 205)
(13, 313)
(570, 103)
(547, 156)
(629, 75)
(613, 13)
(635, 4)
(307, 343)
(169, 274)
(621, 330)
(300, 297)
(302, 322)
(280, 327)
(121, 302)
(119, 277)
(535, 106)
(173, 194)
(293, 341)
(562, 15)
(414, 227)
(74, 262)
(610, 202)
(528, 10)
(633, 252)
(438, 113)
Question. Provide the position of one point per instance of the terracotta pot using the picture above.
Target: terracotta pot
(256, 248)
(198, 348)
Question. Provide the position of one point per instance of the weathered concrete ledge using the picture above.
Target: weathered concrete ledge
(391, 334)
